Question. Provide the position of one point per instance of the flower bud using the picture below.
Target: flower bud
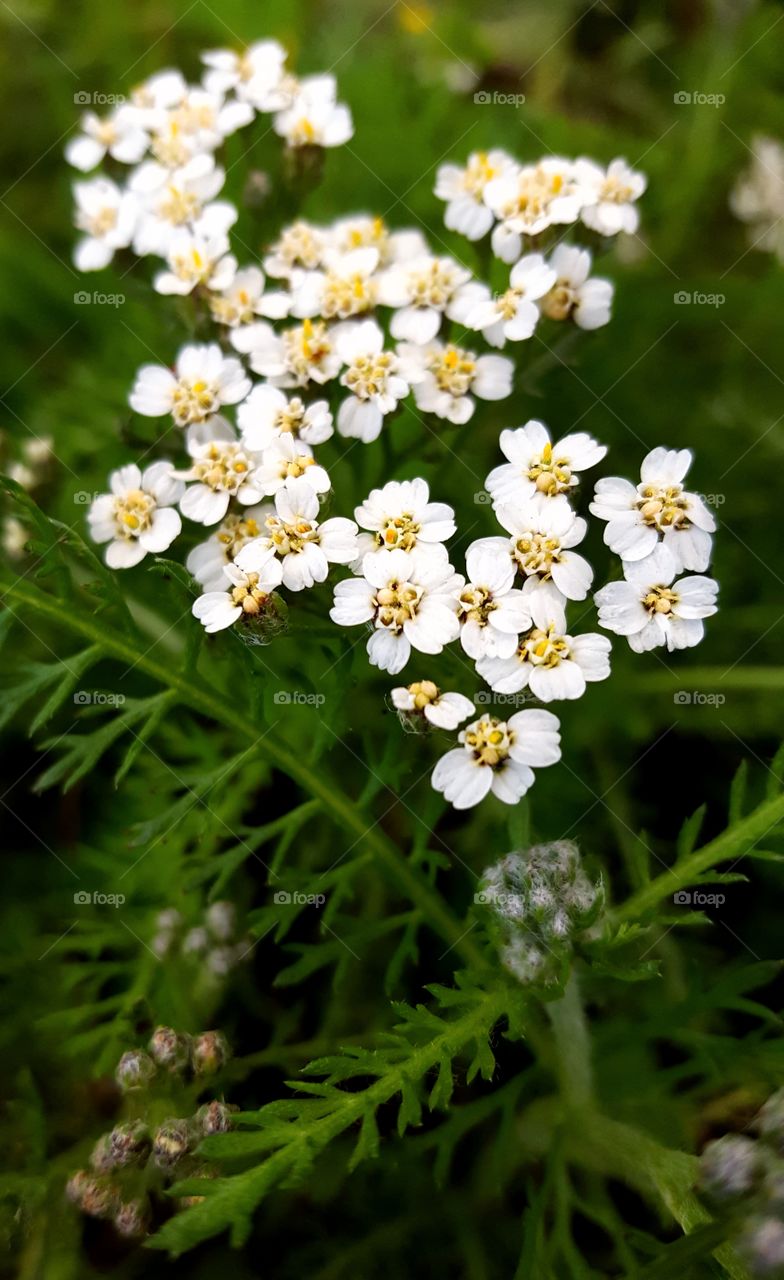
(730, 1168)
(221, 920)
(214, 1117)
(271, 622)
(135, 1070)
(769, 1121)
(131, 1219)
(94, 1196)
(171, 1142)
(129, 1143)
(210, 1052)
(102, 1158)
(761, 1245)
(170, 1049)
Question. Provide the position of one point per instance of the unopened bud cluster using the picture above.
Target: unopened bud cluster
(216, 944)
(135, 1161)
(537, 902)
(742, 1176)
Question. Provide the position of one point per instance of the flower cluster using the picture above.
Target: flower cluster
(132, 1165)
(758, 196)
(169, 132)
(536, 903)
(216, 943)
(359, 320)
(742, 1176)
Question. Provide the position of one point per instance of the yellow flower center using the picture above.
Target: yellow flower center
(250, 597)
(305, 346)
(559, 302)
(476, 604)
(291, 419)
(193, 402)
(367, 376)
(398, 532)
(424, 692)
(133, 513)
(432, 287)
(663, 508)
(544, 648)
(396, 604)
(478, 172)
(178, 206)
(347, 295)
(101, 223)
(222, 467)
(536, 553)
(288, 539)
(489, 741)
(660, 600)
(291, 468)
(549, 474)
(235, 532)
(454, 370)
(298, 247)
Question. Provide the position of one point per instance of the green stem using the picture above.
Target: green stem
(572, 1045)
(732, 843)
(201, 699)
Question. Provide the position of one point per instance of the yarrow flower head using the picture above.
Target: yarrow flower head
(246, 596)
(536, 467)
(576, 295)
(423, 703)
(463, 188)
(221, 469)
(401, 516)
(409, 597)
(491, 610)
(305, 546)
(445, 378)
(652, 609)
(138, 516)
(202, 382)
(537, 904)
(372, 376)
(513, 315)
(498, 756)
(659, 508)
(267, 414)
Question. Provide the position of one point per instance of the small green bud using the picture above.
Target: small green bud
(171, 1142)
(135, 1070)
(170, 1049)
(129, 1144)
(210, 1052)
(214, 1117)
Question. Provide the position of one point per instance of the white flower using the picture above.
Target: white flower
(285, 459)
(423, 290)
(758, 196)
(346, 287)
(203, 380)
(244, 597)
(239, 302)
(363, 231)
(208, 559)
(108, 217)
(548, 661)
(659, 507)
(301, 354)
(372, 377)
(491, 610)
(650, 608)
(401, 515)
(257, 75)
(314, 118)
(196, 260)
(160, 91)
(543, 535)
(445, 377)
(424, 698)
(305, 547)
(530, 199)
(610, 195)
(138, 515)
(268, 413)
(513, 315)
(301, 247)
(410, 599)
(574, 296)
(201, 120)
(463, 189)
(498, 756)
(118, 134)
(538, 468)
(172, 199)
(221, 469)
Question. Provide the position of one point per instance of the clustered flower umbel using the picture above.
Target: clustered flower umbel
(216, 943)
(133, 1163)
(537, 903)
(741, 1178)
(360, 319)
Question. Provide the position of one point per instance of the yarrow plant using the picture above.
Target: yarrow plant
(357, 582)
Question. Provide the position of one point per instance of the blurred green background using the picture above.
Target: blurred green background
(601, 79)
